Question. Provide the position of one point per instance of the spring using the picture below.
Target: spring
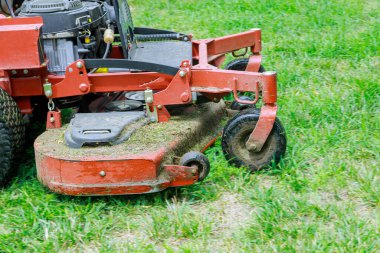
(158, 37)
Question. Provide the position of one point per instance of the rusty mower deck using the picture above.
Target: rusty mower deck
(147, 162)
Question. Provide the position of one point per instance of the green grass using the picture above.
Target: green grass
(325, 195)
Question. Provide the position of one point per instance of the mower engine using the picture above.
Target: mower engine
(72, 30)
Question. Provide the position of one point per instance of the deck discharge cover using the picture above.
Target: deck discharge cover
(87, 128)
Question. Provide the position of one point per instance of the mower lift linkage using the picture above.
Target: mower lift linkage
(213, 83)
(173, 87)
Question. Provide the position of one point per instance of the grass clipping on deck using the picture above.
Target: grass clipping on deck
(194, 127)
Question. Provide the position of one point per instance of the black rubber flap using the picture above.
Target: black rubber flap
(92, 128)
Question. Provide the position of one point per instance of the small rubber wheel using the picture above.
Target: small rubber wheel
(199, 160)
(236, 134)
(12, 135)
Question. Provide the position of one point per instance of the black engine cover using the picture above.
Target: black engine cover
(64, 15)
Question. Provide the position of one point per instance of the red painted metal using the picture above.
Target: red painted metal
(117, 52)
(109, 82)
(76, 78)
(204, 57)
(236, 97)
(269, 88)
(254, 63)
(263, 128)
(178, 91)
(24, 104)
(207, 81)
(231, 43)
(5, 82)
(163, 114)
(53, 119)
(19, 40)
(217, 60)
(175, 90)
(23, 73)
(268, 113)
(222, 81)
(181, 175)
(125, 174)
(27, 87)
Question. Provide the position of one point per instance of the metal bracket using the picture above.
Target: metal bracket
(236, 53)
(263, 128)
(178, 91)
(151, 110)
(48, 91)
(254, 63)
(53, 119)
(247, 102)
(76, 81)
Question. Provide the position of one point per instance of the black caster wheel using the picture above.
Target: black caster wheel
(12, 135)
(236, 134)
(198, 160)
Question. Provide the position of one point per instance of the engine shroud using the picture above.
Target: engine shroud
(66, 23)
(63, 15)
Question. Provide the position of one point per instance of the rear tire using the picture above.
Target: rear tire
(12, 135)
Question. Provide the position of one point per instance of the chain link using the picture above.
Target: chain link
(51, 105)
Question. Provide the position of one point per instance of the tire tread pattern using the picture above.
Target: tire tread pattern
(6, 153)
(12, 134)
(10, 115)
(251, 117)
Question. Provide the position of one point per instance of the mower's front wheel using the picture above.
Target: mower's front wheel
(12, 133)
(236, 134)
(197, 160)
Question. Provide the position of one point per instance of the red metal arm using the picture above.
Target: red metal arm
(206, 51)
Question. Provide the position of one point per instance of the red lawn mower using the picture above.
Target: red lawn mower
(146, 102)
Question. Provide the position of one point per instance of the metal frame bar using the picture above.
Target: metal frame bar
(175, 86)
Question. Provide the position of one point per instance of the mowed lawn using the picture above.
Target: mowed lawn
(325, 195)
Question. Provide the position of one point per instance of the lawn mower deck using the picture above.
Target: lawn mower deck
(91, 61)
(146, 162)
